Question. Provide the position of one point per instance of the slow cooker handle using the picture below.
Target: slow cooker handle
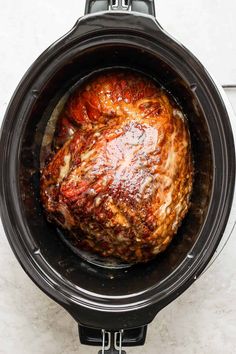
(143, 6)
(112, 341)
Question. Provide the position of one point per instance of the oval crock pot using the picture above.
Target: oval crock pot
(102, 298)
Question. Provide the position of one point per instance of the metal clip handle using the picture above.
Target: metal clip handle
(143, 6)
(112, 342)
(120, 5)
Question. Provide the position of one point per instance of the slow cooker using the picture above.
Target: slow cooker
(113, 305)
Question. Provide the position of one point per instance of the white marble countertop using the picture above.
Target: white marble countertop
(203, 319)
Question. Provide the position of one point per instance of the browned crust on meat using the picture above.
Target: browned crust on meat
(125, 176)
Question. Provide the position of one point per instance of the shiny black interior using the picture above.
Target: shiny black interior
(60, 258)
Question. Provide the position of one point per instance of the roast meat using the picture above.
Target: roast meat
(121, 177)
